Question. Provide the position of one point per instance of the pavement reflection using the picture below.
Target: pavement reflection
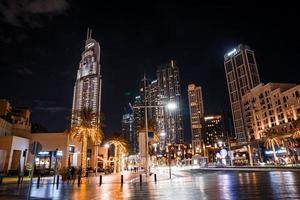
(185, 184)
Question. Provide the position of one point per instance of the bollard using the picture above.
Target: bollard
(78, 183)
(57, 181)
(100, 180)
(122, 179)
(155, 178)
(19, 180)
(1, 180)
(140, 179)
(38, 181)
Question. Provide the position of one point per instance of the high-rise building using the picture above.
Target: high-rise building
(196, 115)
(169, 90)
(213, 130)
(271, 105)
(87, 89)
(242, 75)
(128, 131)
(153, 101)
(138, 115)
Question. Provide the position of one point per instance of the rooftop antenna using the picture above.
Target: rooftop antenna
(87, 34)
(90, 33)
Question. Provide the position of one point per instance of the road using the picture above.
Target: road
(185, 184)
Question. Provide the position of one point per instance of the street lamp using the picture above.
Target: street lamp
(162, 134)
(170, 106)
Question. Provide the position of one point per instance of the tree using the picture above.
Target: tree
(85, 127)
(121, 148)
(295, 125)
(270, 142)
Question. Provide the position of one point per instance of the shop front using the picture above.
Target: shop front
(240, 156)
(47, 161)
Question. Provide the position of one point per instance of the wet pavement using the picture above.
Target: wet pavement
(185, 184)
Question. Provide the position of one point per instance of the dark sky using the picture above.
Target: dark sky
(41, 42)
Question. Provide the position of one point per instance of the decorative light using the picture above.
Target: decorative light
(106, 146)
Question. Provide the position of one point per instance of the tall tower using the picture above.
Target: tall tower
(128, 132)
(242, 75)
(196, 115)
(168, 84)
(87, 89)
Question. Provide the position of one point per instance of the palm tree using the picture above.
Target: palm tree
(121, 148)
(295, 129)
(270, 142)
(85, 127)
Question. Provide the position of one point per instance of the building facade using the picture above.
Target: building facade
(169, 90)
(196, 108)
(213, 130)
(271, 105)
(128, 131)
(14, 121)
(242, 75)
(87, 89)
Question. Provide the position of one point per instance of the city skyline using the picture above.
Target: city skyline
(149, 100)
(57, 60)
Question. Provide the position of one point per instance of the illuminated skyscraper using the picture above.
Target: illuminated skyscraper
(87, 89)
(196, 115)
(242, 75)
(168, 84)
(128, 131)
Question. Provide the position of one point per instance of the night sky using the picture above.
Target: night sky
(41, 42)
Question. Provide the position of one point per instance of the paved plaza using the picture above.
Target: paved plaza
(185, 184)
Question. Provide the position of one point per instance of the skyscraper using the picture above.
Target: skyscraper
(168, 84)
(242, 75)
(213, 130)
(87, 89)
(196, 115)
(128, 131)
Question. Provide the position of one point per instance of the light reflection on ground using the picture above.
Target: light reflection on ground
(184, 185)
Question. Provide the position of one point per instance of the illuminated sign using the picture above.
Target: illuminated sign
(44, 153)
(89, 45)
(59, 153)
(231, 52)
(278, 151)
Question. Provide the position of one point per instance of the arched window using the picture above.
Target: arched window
(297, 94)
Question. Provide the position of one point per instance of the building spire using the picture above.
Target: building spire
(88, 33)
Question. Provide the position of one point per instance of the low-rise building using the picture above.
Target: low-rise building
(14, 121)
(272, 105)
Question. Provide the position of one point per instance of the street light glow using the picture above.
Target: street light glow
(106, 146)
(163, 133)
(171, 106)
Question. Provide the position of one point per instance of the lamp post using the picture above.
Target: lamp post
(169, 106)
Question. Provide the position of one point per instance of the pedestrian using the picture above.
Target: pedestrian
(73, 174)
(69, 174)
